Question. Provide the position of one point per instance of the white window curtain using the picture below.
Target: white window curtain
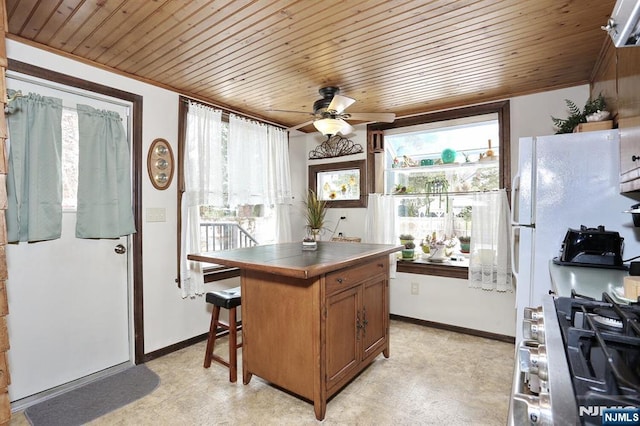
(247, 152)
(104, 176)
(279, 181)
(380, 226)
(258, 167)
(203, 177)
(34, 180)
(489, 262)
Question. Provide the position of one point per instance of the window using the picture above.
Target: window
(432, 165)
(224, 226)
(234, 187)
(70, 98)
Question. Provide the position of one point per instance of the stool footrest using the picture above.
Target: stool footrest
(220, 360)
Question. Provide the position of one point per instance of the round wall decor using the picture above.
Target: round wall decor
(160, 164)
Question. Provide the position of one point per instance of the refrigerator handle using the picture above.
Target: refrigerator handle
(513, 252)
(515, 186)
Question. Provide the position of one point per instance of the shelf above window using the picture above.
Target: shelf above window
(435, 194)
(446, 167)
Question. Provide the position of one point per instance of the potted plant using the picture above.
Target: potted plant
(465, 240)
(406, 238)
(577, 116)
(439, 249)
(408, 250)
(316, 210)
(465, 243)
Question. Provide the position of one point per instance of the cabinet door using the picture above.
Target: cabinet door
(343, 346)
(374, 315)
(629, 118)
(629, 153)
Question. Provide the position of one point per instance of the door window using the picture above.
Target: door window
(70, 98)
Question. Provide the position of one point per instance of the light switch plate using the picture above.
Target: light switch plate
(157, 214)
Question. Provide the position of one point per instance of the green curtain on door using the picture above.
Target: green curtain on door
(104, 176)
(34, 180)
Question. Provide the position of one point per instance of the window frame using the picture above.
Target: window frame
(359, 165)
(375, 165)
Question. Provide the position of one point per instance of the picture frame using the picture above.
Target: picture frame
(340, 184)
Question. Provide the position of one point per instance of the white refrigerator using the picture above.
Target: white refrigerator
(563, 181)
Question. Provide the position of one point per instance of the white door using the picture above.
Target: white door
(69, 299)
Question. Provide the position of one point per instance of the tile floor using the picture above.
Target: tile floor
(433, 377)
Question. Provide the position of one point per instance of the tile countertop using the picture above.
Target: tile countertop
(588, 281)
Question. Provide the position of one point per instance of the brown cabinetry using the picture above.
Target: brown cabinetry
(629, 117)
(617, 77)
(629, 154)
(357, 322)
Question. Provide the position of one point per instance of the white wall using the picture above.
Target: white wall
(299, 147)
(531, 114)
(168, 318)
(449, 300)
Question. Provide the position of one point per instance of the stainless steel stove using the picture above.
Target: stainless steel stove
(579, 360)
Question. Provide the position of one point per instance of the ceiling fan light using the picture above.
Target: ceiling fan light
(329, 126)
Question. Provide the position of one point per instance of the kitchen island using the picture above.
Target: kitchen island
(311, 320)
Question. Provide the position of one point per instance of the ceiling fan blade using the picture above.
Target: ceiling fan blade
(339, 103)
(299, 126)
(382, 117)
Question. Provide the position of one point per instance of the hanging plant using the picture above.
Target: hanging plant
(576, 116)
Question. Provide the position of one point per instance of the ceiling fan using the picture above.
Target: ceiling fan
(330, 118)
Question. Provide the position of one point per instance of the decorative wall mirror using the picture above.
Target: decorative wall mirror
(340, 184)
(160, 164)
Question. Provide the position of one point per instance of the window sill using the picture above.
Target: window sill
(422, 267)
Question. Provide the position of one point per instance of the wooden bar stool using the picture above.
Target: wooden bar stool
(228, 299)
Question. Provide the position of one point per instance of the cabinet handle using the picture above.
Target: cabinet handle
(364, 321)
(339, 280)
(358, 325)
(635, 157)
(380, 265)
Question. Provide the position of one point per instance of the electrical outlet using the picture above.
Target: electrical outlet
(415, 288)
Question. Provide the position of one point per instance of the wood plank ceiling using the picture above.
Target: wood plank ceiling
(398, 56)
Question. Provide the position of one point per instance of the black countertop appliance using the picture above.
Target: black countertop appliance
(595, 247)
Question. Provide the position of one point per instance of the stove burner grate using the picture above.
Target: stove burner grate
(602, 346)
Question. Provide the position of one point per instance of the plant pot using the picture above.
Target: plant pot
(465, 247)
(309, 245)
(438, 253)
(407, 253)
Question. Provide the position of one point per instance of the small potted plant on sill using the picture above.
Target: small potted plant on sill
(406, 238)
(408, 250)
(465, 240)
(465, 243)
(439, 249)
